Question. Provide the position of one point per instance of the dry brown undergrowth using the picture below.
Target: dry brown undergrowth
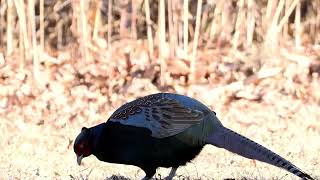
(68, 64)
(276, 106)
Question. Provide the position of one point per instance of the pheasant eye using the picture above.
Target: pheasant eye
(80, 147)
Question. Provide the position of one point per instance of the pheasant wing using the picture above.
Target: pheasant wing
(163, 116)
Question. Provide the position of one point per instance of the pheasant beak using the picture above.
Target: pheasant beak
(79, 158)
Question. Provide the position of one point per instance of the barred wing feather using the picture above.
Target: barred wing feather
(163, 116)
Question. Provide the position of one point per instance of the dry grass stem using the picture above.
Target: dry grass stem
(162, 40)
(124, 20)
(285, 30)
(21, 50)
(84, 31)
(288, 12)
(97, 22)
(171, 32)
(181, 32)
(239, 24)
(270, 6)
(134, 19)
(175, 23)
(272, 38)
(195, 42)
(213, 27)
(9, 28)
(297, 22)
(250, 22)
(277, 14)
(185, 26)
(22, 25)
(41, 22)
(317, 38)
(149, 30)
(109, 23)
(59, 29)
(35, 63)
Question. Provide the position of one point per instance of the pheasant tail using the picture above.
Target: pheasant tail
(236, 143)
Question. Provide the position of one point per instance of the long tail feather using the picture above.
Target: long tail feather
(225, 138)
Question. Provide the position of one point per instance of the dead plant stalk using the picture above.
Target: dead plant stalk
(36, 65)
(84, 33)
(185, 26)
(162, 40)
(195, 41)
(149, 31)
(9, 28)
(109, 23)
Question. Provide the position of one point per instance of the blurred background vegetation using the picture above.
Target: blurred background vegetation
(40, 34)
(72, 62)
(106, 46)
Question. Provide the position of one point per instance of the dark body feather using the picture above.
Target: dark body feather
(135, 146)
(167, 130)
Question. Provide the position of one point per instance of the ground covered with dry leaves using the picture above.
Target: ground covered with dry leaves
(275, 105)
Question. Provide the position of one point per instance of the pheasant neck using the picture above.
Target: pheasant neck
(96, 133)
